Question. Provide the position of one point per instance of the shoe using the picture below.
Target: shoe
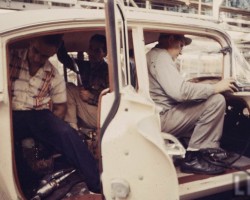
(194, 163)
(216, 154)
(219, 156)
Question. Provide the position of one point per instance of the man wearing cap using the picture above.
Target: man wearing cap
(188, 107)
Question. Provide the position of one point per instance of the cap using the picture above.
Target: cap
(186, 40)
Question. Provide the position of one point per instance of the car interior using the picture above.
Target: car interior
(198, 62)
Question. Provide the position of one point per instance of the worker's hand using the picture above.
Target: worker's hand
(85, 95)
(225, 85)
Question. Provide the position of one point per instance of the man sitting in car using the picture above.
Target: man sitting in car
(83, 99)
(188, 107)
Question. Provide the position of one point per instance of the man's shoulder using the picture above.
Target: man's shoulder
(49, 67)
(156, 51)
(104, 67)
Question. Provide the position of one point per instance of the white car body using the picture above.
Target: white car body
(135, 155)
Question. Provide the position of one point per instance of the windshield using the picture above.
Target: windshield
(241, 68)
(202, 58)
(244, 50)
(241, 57)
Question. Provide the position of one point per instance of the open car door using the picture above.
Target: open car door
(136, 160)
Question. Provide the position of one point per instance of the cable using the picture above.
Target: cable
(229, 165)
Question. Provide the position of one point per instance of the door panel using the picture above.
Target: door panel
(133, 152)
(135, 160)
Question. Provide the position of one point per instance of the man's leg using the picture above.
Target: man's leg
(71, 115)
(77, 107)
(51, 130)
(210, 124)
(27, 178)
(204, 118)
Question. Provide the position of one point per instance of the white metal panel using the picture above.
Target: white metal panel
(140, 60)
(8, 189)
(33, 18)
(1, 74)
(133, 152)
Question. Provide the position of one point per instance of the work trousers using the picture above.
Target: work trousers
(77, 108)
(204, 120)
(48, 129)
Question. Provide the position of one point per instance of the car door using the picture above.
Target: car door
(6, 177)
(135, 158)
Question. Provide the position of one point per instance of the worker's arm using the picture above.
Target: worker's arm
(59, 110)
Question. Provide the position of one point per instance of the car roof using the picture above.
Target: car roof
(26, 18)
(20, 19)
(152, 20)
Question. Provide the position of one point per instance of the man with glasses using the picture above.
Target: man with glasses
(188, 107)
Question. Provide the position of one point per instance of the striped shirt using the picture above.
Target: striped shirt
(34, 92)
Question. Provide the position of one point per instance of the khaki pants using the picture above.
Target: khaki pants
(204, 120)
(78, 108)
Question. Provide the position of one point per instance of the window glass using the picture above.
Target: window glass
(127, 58)
(241, 68)
(202, 58)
